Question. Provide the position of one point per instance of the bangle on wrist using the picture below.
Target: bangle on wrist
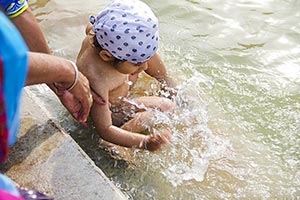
(76, 76)
(145, 143)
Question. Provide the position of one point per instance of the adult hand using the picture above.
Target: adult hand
(78, 100)
(63, 77)
(98, 98)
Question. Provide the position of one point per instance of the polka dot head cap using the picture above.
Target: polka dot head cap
(128, 29)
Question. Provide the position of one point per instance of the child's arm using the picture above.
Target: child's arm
(101, 116)
(157, 69)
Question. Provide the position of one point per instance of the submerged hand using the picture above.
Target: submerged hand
(155, 141)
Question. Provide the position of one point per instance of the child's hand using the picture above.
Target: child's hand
(155, 141)
(168, 92)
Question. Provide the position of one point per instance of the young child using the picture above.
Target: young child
(121, 42)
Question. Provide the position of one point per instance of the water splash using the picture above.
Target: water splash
(195, 144)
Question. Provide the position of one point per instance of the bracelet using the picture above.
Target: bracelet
(76, 76)
(145, 142)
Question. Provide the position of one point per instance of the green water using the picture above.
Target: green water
(237, 65)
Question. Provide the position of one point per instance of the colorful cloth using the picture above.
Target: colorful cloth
(28, 194)
(13, 72)
(13, 53)
(128, 29)
(13, 8)
(4, 195)
(7, 185)
(3, 120)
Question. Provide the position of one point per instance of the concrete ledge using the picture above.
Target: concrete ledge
(49, 160)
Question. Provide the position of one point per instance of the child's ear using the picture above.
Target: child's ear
(106, 56)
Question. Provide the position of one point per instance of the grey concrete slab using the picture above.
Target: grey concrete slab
(48, 159)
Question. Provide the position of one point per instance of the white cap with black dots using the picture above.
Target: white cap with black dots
(128, 29)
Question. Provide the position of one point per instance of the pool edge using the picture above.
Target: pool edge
(46, 158)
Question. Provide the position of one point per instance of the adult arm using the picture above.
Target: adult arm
(31, 32)
(44, 68)
(35, 40)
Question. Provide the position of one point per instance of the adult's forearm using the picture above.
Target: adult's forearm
(31, 32)
(44, 68)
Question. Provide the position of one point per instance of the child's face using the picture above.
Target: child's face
(130, 68)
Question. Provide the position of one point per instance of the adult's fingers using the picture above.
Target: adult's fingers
(97, 98)
(82, 93)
